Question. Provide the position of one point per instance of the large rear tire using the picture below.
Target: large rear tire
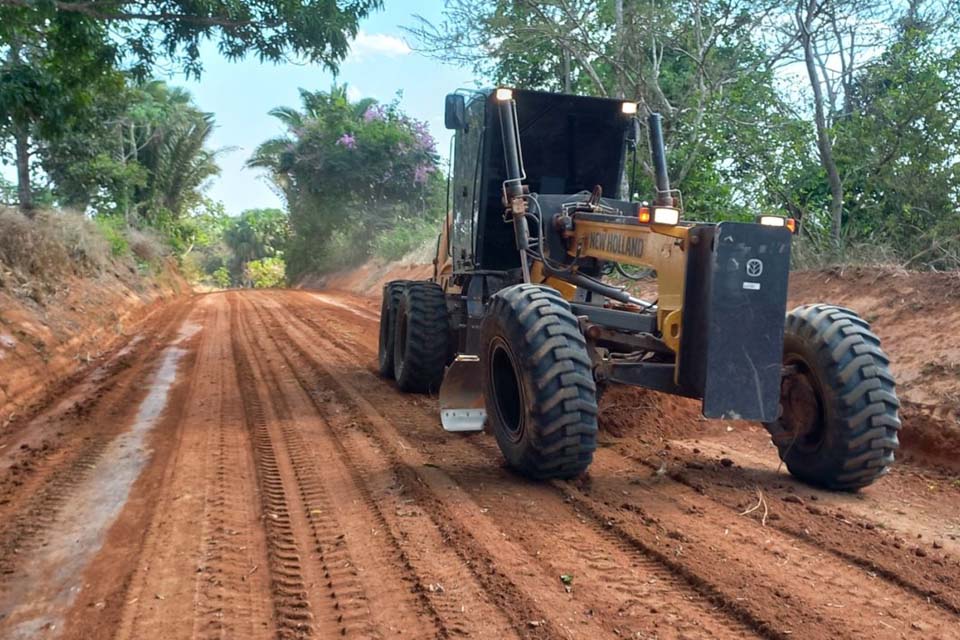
(392, 291)
(538, 383)
(422, 338)
(838, 419)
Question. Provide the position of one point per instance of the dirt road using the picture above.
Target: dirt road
(239, 471)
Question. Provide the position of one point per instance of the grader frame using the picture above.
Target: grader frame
(523, 331)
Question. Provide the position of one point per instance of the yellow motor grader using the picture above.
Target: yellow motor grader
(518, 329)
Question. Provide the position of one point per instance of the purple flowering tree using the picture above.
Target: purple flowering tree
(355, 168)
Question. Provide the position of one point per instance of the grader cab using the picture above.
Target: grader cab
(518, 329)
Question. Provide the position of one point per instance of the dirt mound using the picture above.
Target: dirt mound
(917, 316)
(368, 278)
(45, 341)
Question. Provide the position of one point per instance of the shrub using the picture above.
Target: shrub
(221, 278)
(393, 244)
(266, 273)
(146, 245)
(112, 228)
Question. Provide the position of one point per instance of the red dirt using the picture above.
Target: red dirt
(45, 343)
(287, 491)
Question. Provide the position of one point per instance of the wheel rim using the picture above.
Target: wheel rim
(508, 397)
(802, 402)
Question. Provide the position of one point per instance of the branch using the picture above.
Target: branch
(89, 9)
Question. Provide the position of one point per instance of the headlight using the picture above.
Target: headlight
(504, 94)
(666, 215)
(778, 221)
(773, 221)
(629, 108)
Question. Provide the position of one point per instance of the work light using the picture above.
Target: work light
(504, 94)
(778, 221)
(666, 215)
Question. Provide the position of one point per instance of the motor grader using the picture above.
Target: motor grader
(519, 331)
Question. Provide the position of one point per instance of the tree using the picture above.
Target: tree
(348, 171)
(168, 137)
(835, 41)
(272, 30)
(48, 76)
(900, 150)
(55, 54)
(258, 234)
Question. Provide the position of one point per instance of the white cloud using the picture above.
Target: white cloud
(353, 94)
(374, 45)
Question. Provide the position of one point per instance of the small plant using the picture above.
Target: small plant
(407, 235)
(221, 278)
(112, 228)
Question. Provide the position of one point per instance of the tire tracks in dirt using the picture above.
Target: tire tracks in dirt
(614, 588)
(635, 530)
(78, 428)
(877, 553)
(195, 574)
(361, 582)
(432, 566)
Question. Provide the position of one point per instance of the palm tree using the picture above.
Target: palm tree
(168, 136)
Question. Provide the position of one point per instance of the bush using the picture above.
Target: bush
(51, 245)
(112, 228)
(146, 245)
(221, 278)
(266, 273)
(408, 235)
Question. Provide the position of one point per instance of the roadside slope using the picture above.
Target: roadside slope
(46, 339)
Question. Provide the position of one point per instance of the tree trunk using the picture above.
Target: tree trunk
(21, 146)
(824, 144)
(24, 192)
(618, 37)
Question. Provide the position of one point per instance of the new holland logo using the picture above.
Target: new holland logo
(754, 267)
(617, 243)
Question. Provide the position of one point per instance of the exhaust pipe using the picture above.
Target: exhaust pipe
(513, 185)
(658, 154)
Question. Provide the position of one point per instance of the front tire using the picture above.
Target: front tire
(838, 422)
(422, 338)
(392, 291)
(538, 383)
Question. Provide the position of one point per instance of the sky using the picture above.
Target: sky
(381, 63)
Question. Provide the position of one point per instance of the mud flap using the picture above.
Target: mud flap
(461, 397)
(734, 304)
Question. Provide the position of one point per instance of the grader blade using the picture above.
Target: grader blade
(461, 397)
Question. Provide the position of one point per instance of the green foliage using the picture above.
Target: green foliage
(113, 229)
(221, 278)
(172, 30)
(901, 152)
(256, 235)
(408, 235)
(349, 172)
(8, 192)
(266, 272)
(75, 110)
